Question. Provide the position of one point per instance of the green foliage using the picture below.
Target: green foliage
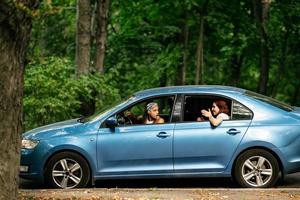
(146, 47)
(145, 50)
(53, 93)
(54, 30)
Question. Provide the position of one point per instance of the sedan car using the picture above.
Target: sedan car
(258, 144)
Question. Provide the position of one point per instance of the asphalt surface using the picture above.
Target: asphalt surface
(290, 181)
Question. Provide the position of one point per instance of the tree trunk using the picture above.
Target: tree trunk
(181, 77)
(185, 50)
(83, 36)
(261, 11)
(101, 34)
(281, 66)
(93, 21)
(15, 27)
(236, 65)
(236, 59)
(199, 54)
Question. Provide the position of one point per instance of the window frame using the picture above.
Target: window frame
(214, 96)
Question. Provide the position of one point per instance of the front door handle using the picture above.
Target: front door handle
(233, 131)
(163, 134)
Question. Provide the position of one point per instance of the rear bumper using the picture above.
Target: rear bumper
(292, 167)
(290, 156)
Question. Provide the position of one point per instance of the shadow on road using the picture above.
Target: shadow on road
(291, 181)
(167, 183)
(150, 183)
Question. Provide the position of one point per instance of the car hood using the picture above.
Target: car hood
(51, 130)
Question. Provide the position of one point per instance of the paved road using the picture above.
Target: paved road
(162, 193)
(291, 181)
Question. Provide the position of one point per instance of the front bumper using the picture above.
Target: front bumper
(31, 165)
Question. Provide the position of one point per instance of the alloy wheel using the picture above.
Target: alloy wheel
(257, 171)
(67, 173)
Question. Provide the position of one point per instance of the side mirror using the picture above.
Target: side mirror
(111, 122)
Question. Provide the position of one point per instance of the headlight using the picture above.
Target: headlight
(29, 144)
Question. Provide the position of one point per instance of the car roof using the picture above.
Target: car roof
(190, 89)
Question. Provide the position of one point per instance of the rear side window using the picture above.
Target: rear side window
(193, 104)
(240, 112)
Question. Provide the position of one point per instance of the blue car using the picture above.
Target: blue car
(256, 144)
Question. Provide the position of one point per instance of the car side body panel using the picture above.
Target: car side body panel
(199, 147)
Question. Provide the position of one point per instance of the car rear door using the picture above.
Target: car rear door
(200, 148)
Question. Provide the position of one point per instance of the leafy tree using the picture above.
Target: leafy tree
(54, 30)
(53, 92)
(15, 28)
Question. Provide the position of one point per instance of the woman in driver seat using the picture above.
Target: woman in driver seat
(151, 115)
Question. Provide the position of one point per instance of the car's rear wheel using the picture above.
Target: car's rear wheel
(256, 168)
(67, 170)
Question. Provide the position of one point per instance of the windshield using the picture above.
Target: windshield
(270, 100)
(108, 108)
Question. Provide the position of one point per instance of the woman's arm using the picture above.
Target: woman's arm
(214, 121)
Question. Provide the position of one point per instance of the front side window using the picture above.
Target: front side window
(150, 111)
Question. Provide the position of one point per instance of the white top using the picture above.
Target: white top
(149, 122)
(224, 116)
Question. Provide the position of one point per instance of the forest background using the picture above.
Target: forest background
(84, 55)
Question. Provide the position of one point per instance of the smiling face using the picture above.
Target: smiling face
(153, 112)
(215, 109)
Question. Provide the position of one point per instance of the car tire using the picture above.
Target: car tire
(67, 170)
(256, 168)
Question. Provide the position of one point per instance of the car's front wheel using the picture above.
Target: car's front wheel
(256, 168)
(67, 170)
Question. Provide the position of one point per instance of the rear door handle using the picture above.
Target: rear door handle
(163, 134)
(233, 131)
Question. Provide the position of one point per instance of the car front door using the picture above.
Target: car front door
(199, 147)
(136, 149)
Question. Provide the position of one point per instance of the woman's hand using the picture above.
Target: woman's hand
(214, 121)
(206, 113)
(200, 119)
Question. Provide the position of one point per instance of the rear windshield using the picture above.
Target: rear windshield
(269, 100)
